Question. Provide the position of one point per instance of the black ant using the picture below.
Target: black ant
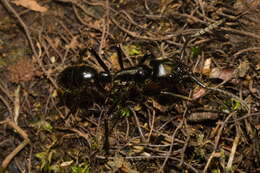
(74, 77)
(164, 72)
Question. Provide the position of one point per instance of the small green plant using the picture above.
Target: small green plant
(81, 168)
(231, 106)
(124, 111)
(132, 50)
(45, 161)
(195, 51)
(215, 171)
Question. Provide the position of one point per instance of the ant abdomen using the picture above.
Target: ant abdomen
(77, 77)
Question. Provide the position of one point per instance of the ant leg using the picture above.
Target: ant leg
(146, 57)
(98, 58)
(106, 144)
(220, 91)
(120, 54)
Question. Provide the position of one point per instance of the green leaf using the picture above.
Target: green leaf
(81, 168)
(125, 112)
(195, 51)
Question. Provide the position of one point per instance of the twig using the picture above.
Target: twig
(81, 134)
(6, 104)
(8, 6)
(209, 28)
(138, 124)
(171, 147)
(26, 141)
(251, 49)
(105, 29)
(10, 156)
(233, 151)
(43, 68)
(149, 157)
(137, 35)
(217, 141)
(16, 104)
(151, 124)
(183, 151)
(176, 95)
(244, 117)
(239, 32)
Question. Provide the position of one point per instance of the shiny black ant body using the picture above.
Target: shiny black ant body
(75, 77)
(164, 73)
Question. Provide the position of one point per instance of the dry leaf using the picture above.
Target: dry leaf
(199, 92)
(30, 4)
(223, 74)
(202, 116)
(206, 68)
(243, 68)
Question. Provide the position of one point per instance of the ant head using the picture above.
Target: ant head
(104, 77)
(143, 72)
(168, 69)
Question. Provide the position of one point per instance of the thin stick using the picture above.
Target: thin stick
(10, 156)
(183, 151)
(171, 147)
(26, 141)
(8, 6)
(138, 125)
(233, 152)
(239, 32)
(217, 141)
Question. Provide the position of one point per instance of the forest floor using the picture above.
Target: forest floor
(125, 125)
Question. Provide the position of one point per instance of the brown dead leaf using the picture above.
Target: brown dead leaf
(223, 74)
(199, 92)
(243, 68)
(30, 4)
(206, 68)
(202, 116)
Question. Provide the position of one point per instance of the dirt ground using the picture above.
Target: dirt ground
(124, 125)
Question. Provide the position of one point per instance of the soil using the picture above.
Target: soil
(206, 121)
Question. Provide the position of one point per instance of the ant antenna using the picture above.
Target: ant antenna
(146, 57)
(120, 54)
(243, 103)
(98, 58)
